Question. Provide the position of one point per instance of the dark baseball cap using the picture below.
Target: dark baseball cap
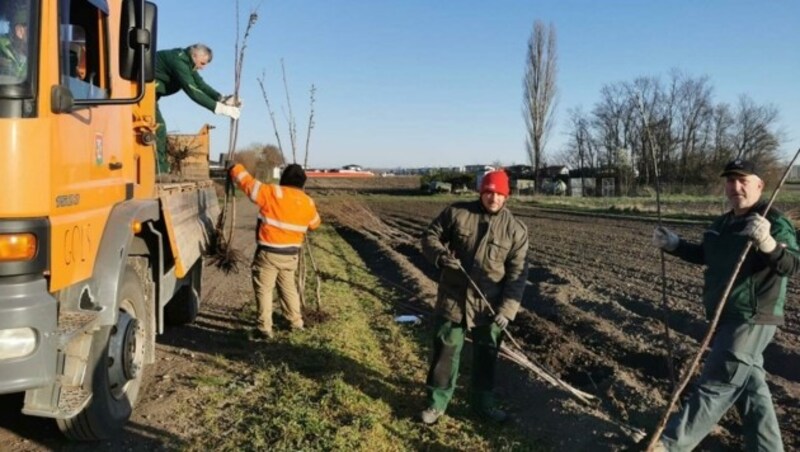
(740, 167)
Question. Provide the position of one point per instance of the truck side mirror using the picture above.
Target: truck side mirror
(137, 35)
(61, 99)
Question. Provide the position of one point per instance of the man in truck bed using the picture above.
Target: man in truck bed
(178, 69)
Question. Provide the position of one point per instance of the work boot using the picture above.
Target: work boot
(261, 335)
(430, 415)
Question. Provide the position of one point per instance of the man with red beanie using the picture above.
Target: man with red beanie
(479, 240)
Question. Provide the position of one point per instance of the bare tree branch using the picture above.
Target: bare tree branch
(310, 124)
(290, 117)
(271, 114)
(238, 64)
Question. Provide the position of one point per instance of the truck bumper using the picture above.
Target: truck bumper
(28, 304)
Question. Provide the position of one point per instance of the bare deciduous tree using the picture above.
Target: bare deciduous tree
(720, 132)
(260, 159)
(611, 121)
(581, 143)
(678, 125)
(693, 108)
(539, 84)
(752, 137)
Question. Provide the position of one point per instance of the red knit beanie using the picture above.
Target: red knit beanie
(495, 182)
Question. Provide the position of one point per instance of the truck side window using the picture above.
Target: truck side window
(83, 49)
(14, 42)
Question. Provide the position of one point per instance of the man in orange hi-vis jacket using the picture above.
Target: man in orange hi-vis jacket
(285, 214)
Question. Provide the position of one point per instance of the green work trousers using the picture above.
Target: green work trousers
(447, 345)
(269, 269)
(162, 161)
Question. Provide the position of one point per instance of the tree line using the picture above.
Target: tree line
(672, 123)
(675, 123)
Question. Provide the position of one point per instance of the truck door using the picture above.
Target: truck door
(87, 171)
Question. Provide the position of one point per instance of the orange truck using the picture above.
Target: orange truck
(95, 256)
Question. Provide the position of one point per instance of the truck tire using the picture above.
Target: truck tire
(115, 367)
(185, 304)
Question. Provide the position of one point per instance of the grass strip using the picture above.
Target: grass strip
(354, 381)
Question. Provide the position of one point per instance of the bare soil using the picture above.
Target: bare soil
(592, 314)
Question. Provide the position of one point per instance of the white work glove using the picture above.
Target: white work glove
(665, 239)
(501, 321)
(227, 110)
(757, 230)
(229, 100)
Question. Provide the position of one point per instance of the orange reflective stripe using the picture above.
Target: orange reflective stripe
(283, 225)
(254, 192)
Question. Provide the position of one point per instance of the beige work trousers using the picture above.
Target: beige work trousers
(269, 268)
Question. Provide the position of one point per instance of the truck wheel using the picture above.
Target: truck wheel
(115, 367)
(185, 304)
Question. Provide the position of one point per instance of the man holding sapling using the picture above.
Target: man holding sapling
(479, 240)
(733, 372)
(286, 213)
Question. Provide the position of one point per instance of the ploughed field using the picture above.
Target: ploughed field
(592, 314)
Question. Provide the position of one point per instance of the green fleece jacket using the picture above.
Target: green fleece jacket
(175, 71)
(759, 291)
(492, 248)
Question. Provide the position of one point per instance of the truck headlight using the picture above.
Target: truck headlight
(17, 247)
(17, 342)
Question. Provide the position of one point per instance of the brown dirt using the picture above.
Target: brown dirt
(591, 314)
(377, 184)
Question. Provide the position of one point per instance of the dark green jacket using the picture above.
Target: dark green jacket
(492, 248)
(759, 291)
(175, 72)
(13, 62)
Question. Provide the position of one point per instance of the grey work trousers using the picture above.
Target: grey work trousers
(733, 375)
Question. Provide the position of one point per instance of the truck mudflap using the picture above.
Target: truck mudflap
(27, 304)
(190, 212)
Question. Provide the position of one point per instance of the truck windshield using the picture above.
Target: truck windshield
(18, 20)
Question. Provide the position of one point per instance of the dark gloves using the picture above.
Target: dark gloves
(229, 164)
(449, 261)
(501, 321)
(230, 100)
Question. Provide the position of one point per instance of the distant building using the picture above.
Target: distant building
(594, 182)
(478, 169)
(794, 174)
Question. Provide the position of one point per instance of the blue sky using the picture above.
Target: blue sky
(417, 83)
